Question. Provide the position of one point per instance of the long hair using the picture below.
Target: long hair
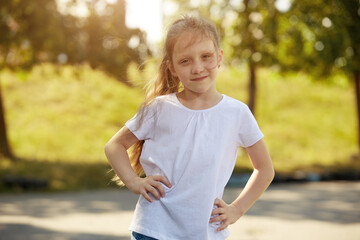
(165, 83)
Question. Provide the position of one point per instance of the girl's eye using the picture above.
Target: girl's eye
(184, 61)
(208, 55)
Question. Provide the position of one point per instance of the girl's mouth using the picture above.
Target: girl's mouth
(198, 79)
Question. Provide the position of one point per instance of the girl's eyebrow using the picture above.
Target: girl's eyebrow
(208, 51)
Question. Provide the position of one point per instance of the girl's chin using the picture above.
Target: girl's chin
(199, 91)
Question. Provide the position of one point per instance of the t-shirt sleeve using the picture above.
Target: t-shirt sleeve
(249, 132)
(142, 124)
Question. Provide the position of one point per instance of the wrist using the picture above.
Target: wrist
(238, 210)
(132, 182)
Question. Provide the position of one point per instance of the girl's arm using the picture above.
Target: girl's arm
(260, 179)
(116, 153)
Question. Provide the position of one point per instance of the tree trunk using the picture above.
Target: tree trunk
(5, 150)
(357, 94)
(252, 87)
(252, 66)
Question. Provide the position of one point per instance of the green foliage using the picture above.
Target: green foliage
(327, 33)
(33, 32)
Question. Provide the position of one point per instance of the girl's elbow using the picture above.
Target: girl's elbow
(271, 174)
(107, 148)
(268, 173)
(112, 147)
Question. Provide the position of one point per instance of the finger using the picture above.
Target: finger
(217, 211)
(163, 179)
(146, 196)
(153, 191)
(223, 226)
(160, 188)
(219, 202)
(217, 219)
(167, 182)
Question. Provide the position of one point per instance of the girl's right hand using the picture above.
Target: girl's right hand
(150, 184)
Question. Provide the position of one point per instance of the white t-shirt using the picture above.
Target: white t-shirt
(196, 150)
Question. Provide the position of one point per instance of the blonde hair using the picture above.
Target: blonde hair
(165, 83)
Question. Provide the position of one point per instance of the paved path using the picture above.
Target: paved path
(312, 211)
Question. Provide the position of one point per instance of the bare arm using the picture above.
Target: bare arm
(116, 153)
(260, 179)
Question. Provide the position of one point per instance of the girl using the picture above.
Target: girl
(186, 141)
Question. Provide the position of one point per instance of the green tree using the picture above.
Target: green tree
(32, 32)
(35, 31)
(322, 38)
(5, 150)
(255, 35)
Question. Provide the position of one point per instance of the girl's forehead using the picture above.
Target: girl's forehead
(188, 38)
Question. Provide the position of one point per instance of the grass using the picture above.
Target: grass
(59, 119)
(65, 113)
(307, 124)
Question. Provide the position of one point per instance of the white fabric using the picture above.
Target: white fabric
(196, 150)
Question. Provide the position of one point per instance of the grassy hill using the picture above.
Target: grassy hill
(307, 124)
(59, 119)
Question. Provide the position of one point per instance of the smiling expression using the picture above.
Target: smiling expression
(195, 61)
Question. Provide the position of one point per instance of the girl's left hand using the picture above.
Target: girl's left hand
(227, 214)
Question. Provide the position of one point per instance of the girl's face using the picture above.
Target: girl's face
(195, 61)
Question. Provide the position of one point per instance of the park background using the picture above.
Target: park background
(72, 73)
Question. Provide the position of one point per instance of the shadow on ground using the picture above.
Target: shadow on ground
(22, 231)
(59, 204)
(328, 202)
(106, 214)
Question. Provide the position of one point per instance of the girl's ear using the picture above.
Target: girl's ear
(171, 68)
(220, 57)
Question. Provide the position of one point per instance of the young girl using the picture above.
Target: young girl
(185, 137)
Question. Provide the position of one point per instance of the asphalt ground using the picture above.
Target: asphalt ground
(307, 211)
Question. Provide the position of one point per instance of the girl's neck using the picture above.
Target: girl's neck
(199, 101)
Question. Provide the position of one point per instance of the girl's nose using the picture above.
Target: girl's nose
(197, 67)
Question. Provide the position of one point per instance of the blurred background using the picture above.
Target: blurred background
(72, 73)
